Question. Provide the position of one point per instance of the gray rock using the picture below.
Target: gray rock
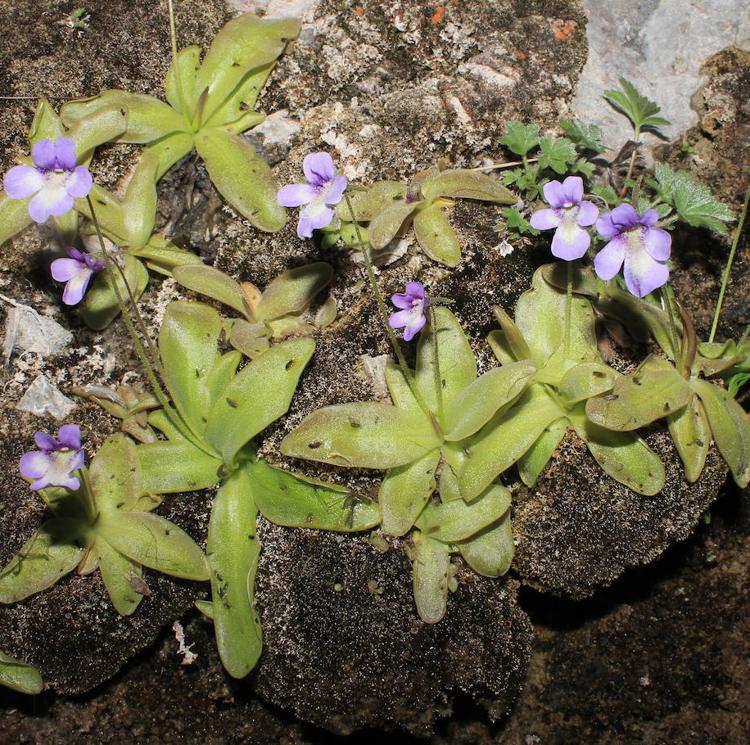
(42, 398)
(659, 45)
(27, 331)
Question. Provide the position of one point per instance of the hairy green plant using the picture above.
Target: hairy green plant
(19, 676)
(209, 105)
(106, 524)
(209, 432)
(389, 208)
(421, 440)
(274, 313)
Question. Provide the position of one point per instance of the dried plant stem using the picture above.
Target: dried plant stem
(728, 267)
(498, 166)
(629, 174)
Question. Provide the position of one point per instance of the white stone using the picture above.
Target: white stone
(27, 331)
(42, 398)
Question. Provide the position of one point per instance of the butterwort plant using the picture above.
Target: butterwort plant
(76, 272)
(101, 518)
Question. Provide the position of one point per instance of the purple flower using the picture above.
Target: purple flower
(634, 240)
(413, 303)
(54, 180)
(76, 272)
(57, 459)
(569, 214)
(324, 189)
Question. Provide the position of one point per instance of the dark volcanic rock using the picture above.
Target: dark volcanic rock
(345, 648)
(578, 530)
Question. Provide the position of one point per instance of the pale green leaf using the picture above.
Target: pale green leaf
(476, 404)
(586, 380)
(190, 469)
(241, 46)
(179, 84)
(14, 217)
(288, 499)
(691, 435)
(490, 552)
(401, 394)
(362, 435)
(293, 290)
(233, 551)
(540, 317)
(163, 256)
(534, 460)
(456, 366)
(405, 491)
(386, 224)
(222, 374)
(505, 439)
(258, 396)
(170, 150)
(139, 204)
(154, 542)
(119, 575)
(586, 136)
(557, 153)
(105, 125)
(640, 110)
(622, 455)
(730, 426)
(252, 339)
(507, 343)
(187, 344)
(431, 568)
(44, 559)
(236, 113)
(466, 184)
(109, 213)
(211, 282)
(19, 676)
(242, 177)
(653, 392)
(46, 123)
(456, 520)
(369, 202)
(147, 118)
(435, 236)
(115, 475)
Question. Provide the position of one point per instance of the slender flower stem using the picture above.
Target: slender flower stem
(629, 174)
(139, 348)
(666, 298)
(383, 309)
(172, 30)
(568, 306)
(728, 266)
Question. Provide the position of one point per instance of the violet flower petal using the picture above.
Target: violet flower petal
(545, 219)
(336, 189)
(79, 182)
(21, 182)
(414, 327)
(63, 270)
(76, 287)
(34, 465)
(572, 189)
(643, 274)
(649, 218)
(416, 290)
(69, 436)
(45, 441)
(295, 195)
(609, 260)
(304, 227)
(318, 168)
(588, 212)
(43, 153)
(570, 242)
(318, 214)
(401, 300)
(554, 194)
(658, 243)
(65, 153)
